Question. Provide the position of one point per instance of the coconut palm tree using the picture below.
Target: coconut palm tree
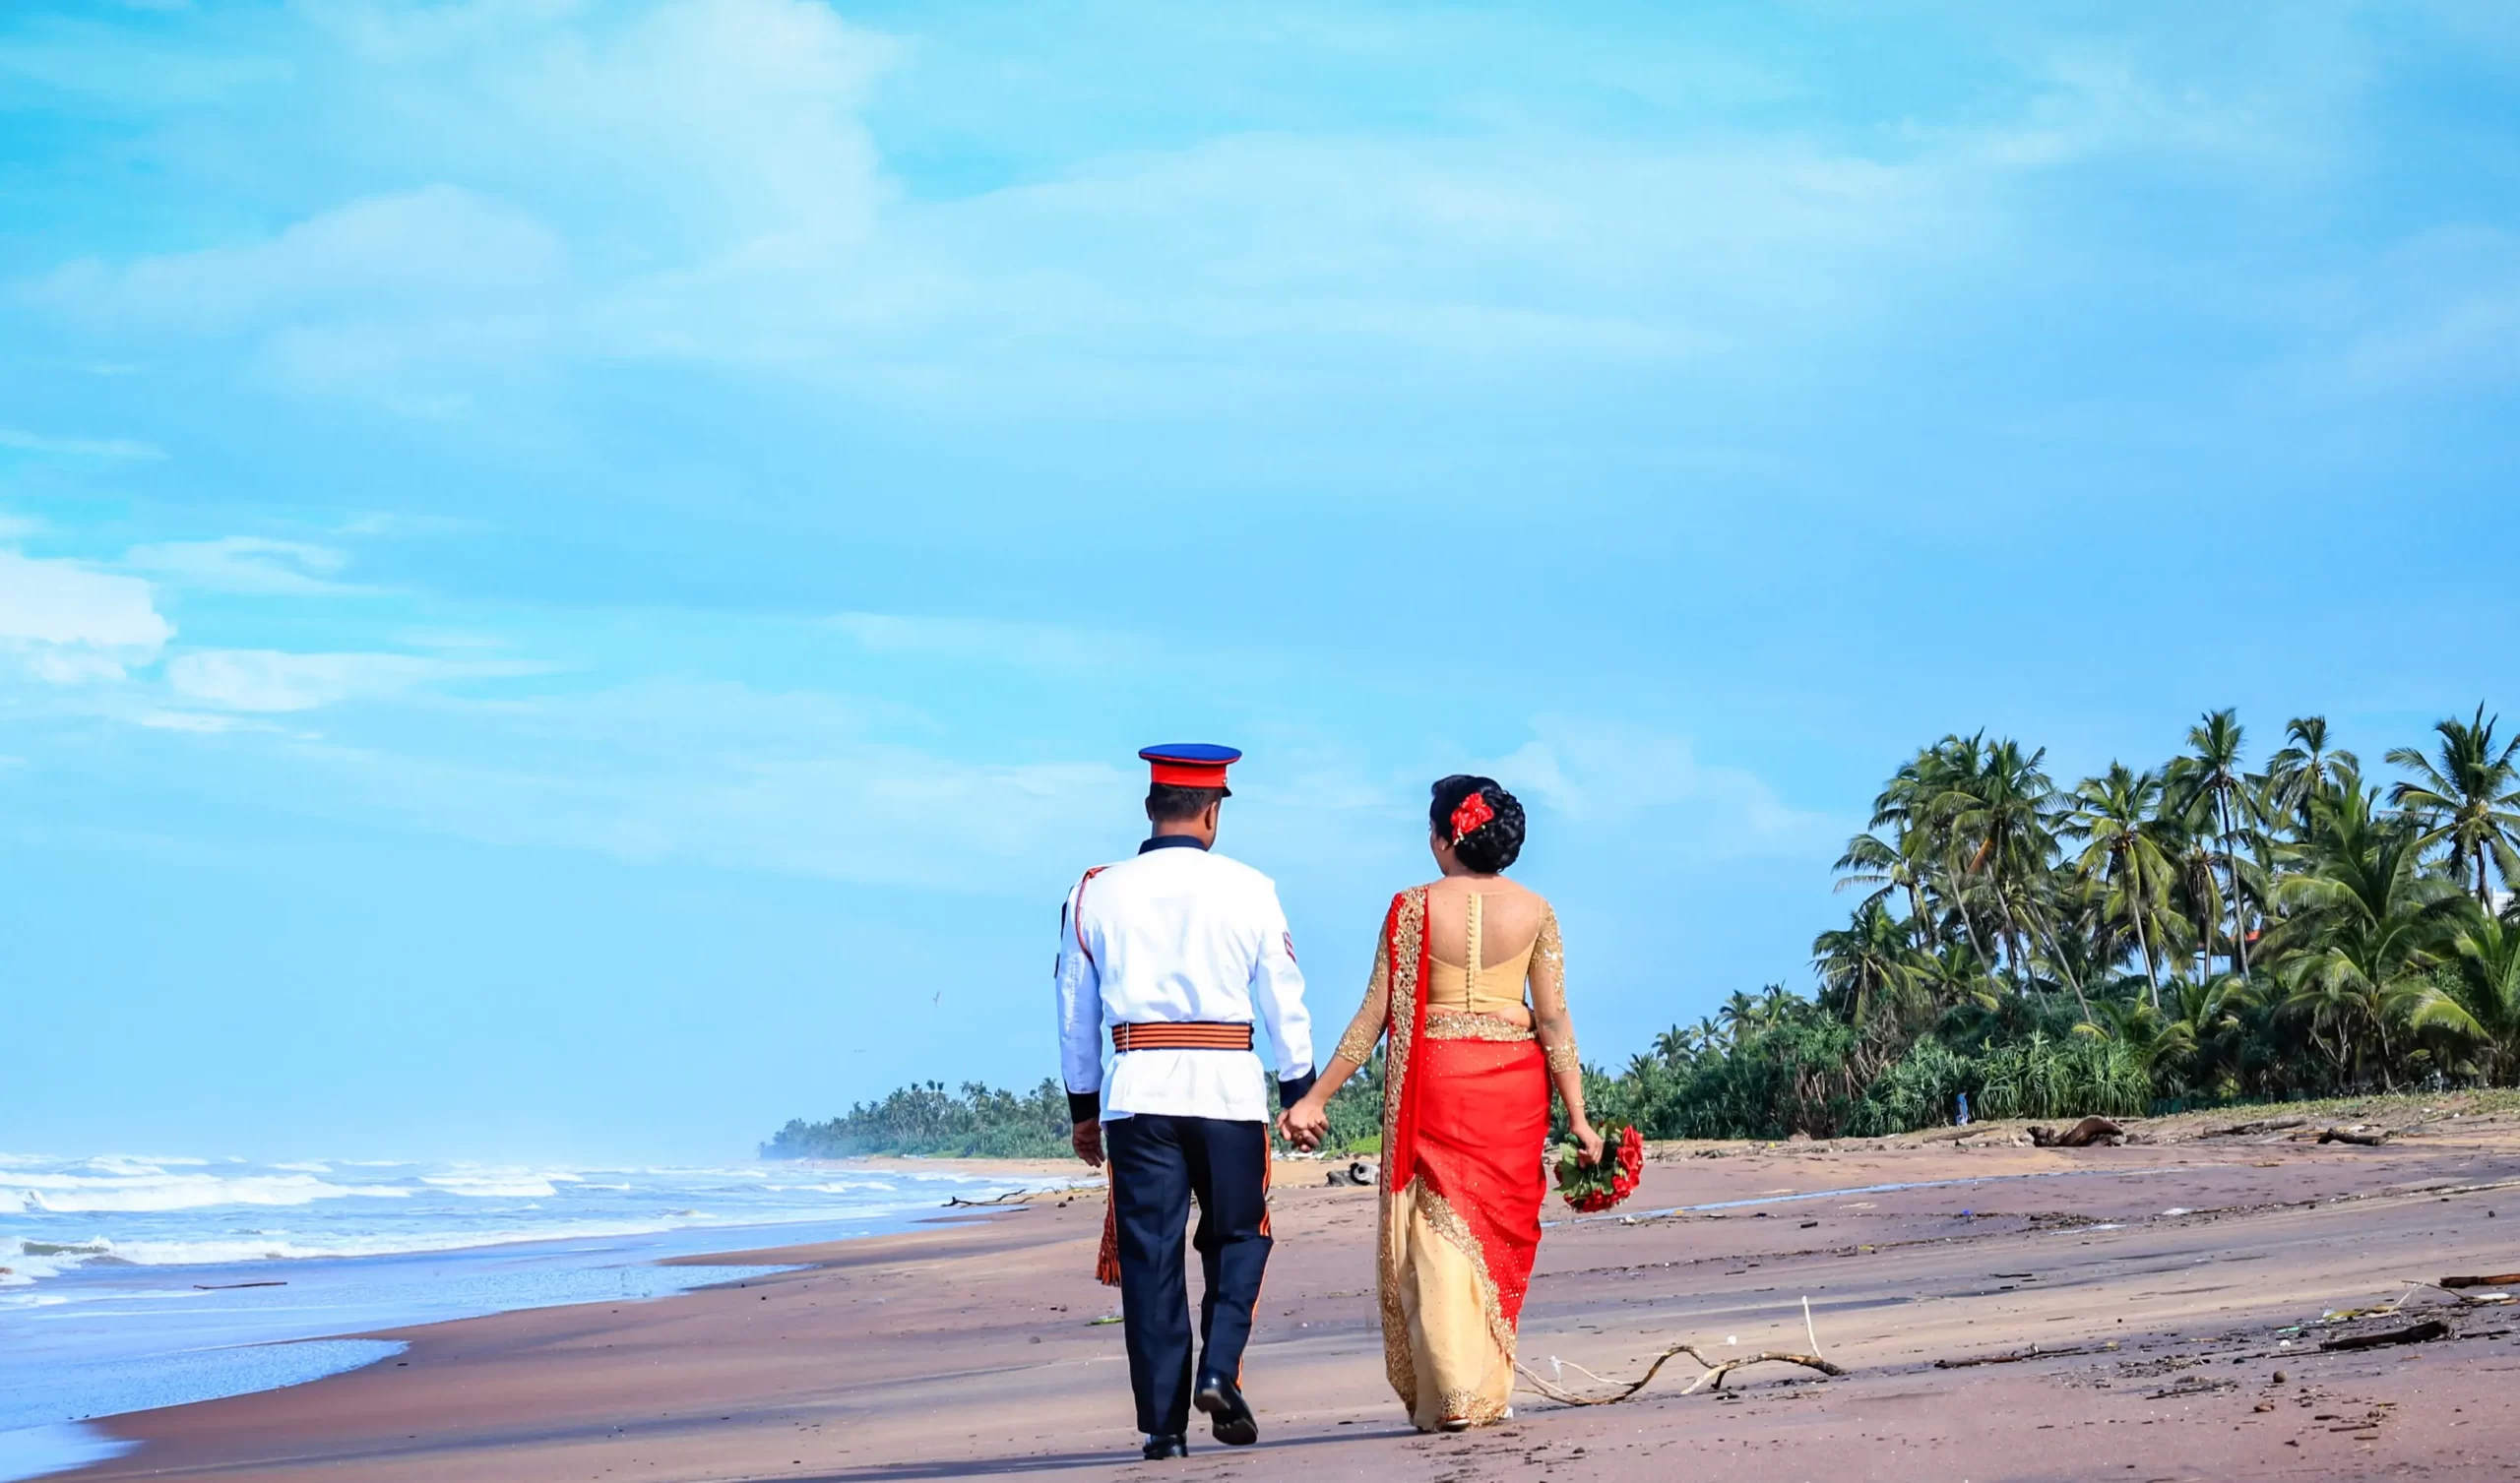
(2470, 802)
(2200, 892)
(2483, 996)
(1900, 863)
(2211, 776)
(2115, 818)
(1869, 969)
(1997, 813)
(1740, 1018)
(2149, 1035)
(2365, 927)
(2306, 769)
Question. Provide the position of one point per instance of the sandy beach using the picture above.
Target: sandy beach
(2180, 1283)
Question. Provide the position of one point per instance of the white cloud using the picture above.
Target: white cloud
(725, 775)
(19, 526)
(2441, 310)
(187, 720)
(1045, 649)
(243, 564)
(428, 250)
(107, 449)
(68, 623)
(1605, 773)
(721, 200)
(269, 680)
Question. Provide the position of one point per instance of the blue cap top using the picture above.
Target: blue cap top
(1190, 765)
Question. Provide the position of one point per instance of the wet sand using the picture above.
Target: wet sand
(968, 1349)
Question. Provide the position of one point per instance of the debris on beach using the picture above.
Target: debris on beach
(2016, 1356)
(2083, 1135)
(1712, 1379)
(2368, 1139)
(1360, 1172)
(2262, 1124)
(2431, 1329)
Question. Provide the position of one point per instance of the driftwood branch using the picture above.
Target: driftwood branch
(2500, 1279)
(1712, 1379)
(2016, 1356)
(2091, 1130)
(2432, 1329)
(2349, 1136)
(2262, 1124)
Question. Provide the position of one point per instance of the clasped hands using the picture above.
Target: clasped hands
(1307, 1123)
(1304, 1125)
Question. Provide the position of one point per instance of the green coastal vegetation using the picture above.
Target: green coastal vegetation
(2196, 933)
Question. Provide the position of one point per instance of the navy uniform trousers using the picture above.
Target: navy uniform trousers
(1157, 1164)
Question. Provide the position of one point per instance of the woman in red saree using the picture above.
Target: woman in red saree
(1469, 984)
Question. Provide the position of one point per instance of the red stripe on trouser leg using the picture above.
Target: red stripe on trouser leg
(1268, 1179)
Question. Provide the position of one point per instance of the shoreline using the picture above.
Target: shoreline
(966, 1345)
(111, 1338)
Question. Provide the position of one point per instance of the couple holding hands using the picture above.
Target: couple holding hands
(1178, 950)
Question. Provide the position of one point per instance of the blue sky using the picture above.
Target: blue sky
(576, 578)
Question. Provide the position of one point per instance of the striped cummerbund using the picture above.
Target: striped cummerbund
(1191, 1035)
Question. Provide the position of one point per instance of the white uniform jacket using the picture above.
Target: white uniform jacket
(1177, 933)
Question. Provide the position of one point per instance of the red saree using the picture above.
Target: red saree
(1464, 1118)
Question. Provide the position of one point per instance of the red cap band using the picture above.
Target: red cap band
(1188, 774)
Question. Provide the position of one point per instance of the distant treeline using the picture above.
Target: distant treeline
(983, 1122)
(978, 1122)
(2198, 932)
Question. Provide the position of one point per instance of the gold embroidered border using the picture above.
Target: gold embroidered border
(1473, 1408)
(1447, 1223)
(1406, 941)
(1458, 1025)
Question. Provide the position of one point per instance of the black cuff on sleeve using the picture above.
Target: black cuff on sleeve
(1084, 1106)
(1294, 1090)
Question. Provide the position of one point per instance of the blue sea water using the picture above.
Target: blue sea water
(128, 1283)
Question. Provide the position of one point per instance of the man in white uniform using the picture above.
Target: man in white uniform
(1179, 950)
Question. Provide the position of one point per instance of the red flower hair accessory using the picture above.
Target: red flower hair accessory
(1473, 811)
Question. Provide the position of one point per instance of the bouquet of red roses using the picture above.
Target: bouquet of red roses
(1595, 1187)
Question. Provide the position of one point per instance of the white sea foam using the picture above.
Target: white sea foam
(503, 1186)
(36, 1451)
(139, 1188)
(58, 1214)
(129, 1281)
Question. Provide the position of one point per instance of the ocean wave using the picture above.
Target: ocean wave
(126, 1193)
(218, 1251)
(61, 1214)
(499, 1185)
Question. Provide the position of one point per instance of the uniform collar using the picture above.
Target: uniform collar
(1172, 841)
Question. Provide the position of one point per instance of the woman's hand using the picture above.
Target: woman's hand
(1588, 1145)
(1306, 1124)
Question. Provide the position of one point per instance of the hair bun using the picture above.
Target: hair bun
(1482, 821)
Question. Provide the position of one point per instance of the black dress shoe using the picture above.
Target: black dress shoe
(1160, 1448)
(1222, 1401)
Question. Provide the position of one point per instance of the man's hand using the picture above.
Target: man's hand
(1086, 1140)
(1304, 1125)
